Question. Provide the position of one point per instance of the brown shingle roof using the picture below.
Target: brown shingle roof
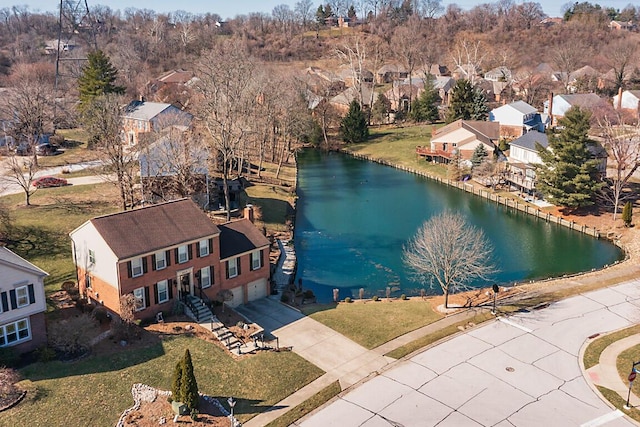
(238, 237)
(154, 227)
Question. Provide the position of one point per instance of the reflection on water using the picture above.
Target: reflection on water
(353, 218)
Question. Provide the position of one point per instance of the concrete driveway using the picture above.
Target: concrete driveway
(517, 371)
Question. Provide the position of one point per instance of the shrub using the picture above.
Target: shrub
(45, 354)
(347, 299)
(627, 214)
(403, 297)
(189, 386)
(9, 357)
(375, 298)
(100, 314)
(72, 337)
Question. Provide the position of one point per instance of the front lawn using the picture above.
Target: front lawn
(96, 390)
(373, 323)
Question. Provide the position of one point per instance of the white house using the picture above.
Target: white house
(630, 100)
(22, 299)
(560, 104)
(516, 118)
(523, 158)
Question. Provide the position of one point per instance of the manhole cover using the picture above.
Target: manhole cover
(510, 369)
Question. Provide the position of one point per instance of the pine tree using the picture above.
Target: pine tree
(353, 127)
(479, 109)
(424, 109)
(189, 386)
(479, 154)
(98, 78)
(462, 102)
(627, 214)
(176, 384)
(569, 174)
(380, 109)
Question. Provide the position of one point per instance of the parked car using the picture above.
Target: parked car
(49, 181)
(46, 149)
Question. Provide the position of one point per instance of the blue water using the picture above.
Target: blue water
(353, 218)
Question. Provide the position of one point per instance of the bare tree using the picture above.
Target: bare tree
(452, 252)
(623, 146)
(468, 55)
(102, 120)
(22, 171)
(354, 54)
(227, 95)
(567, 57)
(621, 56)
(407, 43)
(304, 12)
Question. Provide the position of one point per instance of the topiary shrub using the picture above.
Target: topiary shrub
(347, 299)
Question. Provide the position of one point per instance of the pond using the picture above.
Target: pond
(354, 217)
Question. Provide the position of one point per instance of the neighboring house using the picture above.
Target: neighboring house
(462, 137)
(142, 117)
(558, 105)
(629, 100)
(168, 252)
(516, 118)
(342, 101)
(443, 85)
(438, 70)
(390, 72)
(22, 300)
(347, 76)
(587, 77)
(621, 25)
(523, 156)
(499, 74)
(401, 92)
(51, 46)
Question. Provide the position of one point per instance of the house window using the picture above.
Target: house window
(22, 296)
(203, 246)
(163, 291)
(183, 254)
(205, 277)
(256, 260)
(233, 267)
(14, 332)
(161, 260)
(140, 302)
(87, 281)
(136, 267)
(92, 257)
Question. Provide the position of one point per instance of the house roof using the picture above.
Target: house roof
(8, 258)
(528, 140)
(238, 237)
(486, 132)
(582, 99)
(519, 106)
(152, 228)
(176, 77)
(392, 68)
(143, 110)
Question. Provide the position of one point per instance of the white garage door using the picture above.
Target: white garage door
(257, 289)
(238, 297)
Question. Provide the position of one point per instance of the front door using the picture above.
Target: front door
(185, 284)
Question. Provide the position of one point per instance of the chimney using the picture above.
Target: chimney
(550, 109)
(248, 213)
(141, 98)
(619, 106)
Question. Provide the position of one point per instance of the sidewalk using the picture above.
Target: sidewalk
(606, 374)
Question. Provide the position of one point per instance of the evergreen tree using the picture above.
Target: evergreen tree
(479, 109)
(353, 127)
(462, 102)
(627, 214)
(98, 78)
(424, 109)
(569, 173)
(454, 171)
(380, 109)
(479, 154)
(189, 386)
(176, 383)
(351, 13)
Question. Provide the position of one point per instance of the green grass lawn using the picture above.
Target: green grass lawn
(274, 203)
(398, 145)
(374, 323)
(40, 232)
(94, 391)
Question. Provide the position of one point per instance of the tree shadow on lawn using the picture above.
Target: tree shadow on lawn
(274, 211)
(34, 242)
(247, 406)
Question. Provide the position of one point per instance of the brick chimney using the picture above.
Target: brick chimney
(248, 213)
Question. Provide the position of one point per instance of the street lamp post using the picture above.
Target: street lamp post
(231, 403)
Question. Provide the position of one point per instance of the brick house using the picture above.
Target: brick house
(22, 299)
(166, 252)
(460, 137)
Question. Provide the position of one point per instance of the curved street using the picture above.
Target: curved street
(522, 370)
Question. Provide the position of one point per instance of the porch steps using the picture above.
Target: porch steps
(208, 320)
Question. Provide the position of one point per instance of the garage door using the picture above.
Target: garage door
(257, 289)
(238, 297)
